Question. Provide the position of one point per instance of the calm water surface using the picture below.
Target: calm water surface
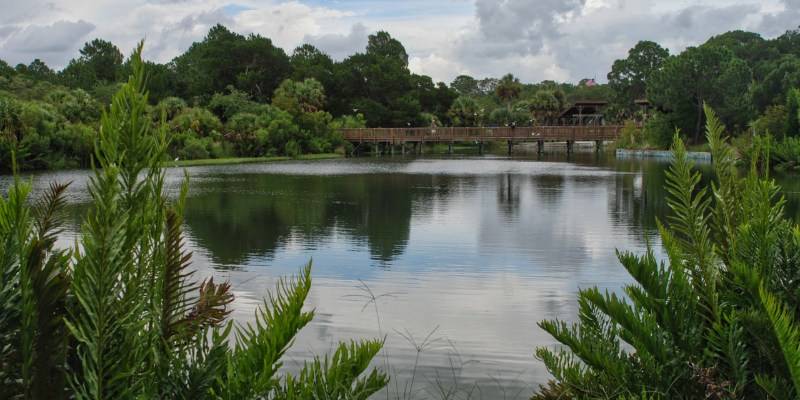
(453, 260)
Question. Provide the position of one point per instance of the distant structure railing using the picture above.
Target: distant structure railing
(417, 137)
(450, 134)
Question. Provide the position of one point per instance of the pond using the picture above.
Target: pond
(453, 259)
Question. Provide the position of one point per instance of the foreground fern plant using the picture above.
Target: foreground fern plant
(717, 320)
(119, 316)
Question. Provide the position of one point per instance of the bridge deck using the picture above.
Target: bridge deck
(448, 134)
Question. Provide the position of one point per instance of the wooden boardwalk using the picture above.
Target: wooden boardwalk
(539, 134)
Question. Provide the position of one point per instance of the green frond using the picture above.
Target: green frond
(17, 306)
(48, 208)
(194, 374)
(728, 189)
(175, 285)
(260, 345)
(339, 377)
(562, 365)
(690, 224)
(727, 344)
(776, 388)
(637, 328)
(787, 331)
(690, 206)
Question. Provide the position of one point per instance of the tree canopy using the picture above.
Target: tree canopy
(628, 76)
(698, 76)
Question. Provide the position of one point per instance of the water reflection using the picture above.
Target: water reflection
(475, 250)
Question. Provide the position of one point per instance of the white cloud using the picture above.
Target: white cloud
(340, 46)
(287, 24)
(45, 42)
(59, 36)
(561, 39)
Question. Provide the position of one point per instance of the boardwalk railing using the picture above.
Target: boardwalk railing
(447, 134)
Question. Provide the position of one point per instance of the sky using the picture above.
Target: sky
(560, 40)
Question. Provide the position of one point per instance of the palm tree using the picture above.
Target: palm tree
(544, 106)
(508, 88)
(466, 110)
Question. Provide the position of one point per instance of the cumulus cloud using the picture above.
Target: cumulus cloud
(589, 50)
(23, 11)
(563, 40)
(288, 23)
(778, 22)
(340, 46)
(697, 23)
(573, 39)
(176, 37)
(60, 36)
(8, 30)
(524, 20)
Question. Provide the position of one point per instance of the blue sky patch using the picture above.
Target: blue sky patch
(231, 10)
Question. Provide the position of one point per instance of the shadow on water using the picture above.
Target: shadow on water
(237, 216)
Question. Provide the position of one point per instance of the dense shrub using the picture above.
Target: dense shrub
(236, 101)
(171, 107)
(195, 149)
(76, 105)
(75, 143)
(631, 137)
(198, 120)
(771, 123)
(717, 319)
(658, 131)
(244, 124)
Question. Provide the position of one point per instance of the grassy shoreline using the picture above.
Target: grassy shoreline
(248, 160)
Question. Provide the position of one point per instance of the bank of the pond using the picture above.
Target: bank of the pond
(661, 154)
(248, 160)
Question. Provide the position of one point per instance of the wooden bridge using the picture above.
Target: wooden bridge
(417, 137)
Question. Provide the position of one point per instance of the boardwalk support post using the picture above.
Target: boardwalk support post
(598, 145)
(480, 147)
(450, 147)
(540, 146)
(569, 146)
(510, 147)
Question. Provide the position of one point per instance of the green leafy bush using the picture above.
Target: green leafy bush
(658, 131)
(74, 142)
(716, 319)
(171, 106)
(195, 149)
(198, 120)
(236, 101)
(292, 149)
(785, 154)
(632, 136)
(771, 123)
